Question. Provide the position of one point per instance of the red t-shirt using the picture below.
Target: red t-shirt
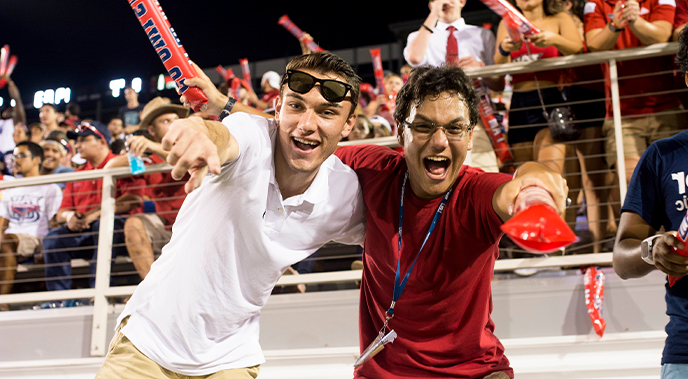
(85, 195)
(443, 316)
(167, 193)
(598, 13)
(681, 14)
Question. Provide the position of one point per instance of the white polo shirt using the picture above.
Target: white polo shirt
(473, 41)
(198, 310)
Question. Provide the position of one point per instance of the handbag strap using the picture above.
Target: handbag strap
(537, 85)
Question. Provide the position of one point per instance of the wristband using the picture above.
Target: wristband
(228, 109)
(614, 28)
(428, 29)
(502, 51)
(68, 215)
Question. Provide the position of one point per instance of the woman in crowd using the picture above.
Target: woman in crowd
(362, 129)
(528, 134)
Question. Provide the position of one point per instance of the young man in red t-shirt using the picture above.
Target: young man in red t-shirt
(145, 234)
(616, 25)
(80, 210)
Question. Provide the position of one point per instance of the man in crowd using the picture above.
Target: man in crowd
(257, 213)
(11, 116)
(54, 150)
(616, 25)
(130, 112)
(145, 234)
(26, 214)
(447, 303)
(656, 199)
(116, 128)
(80, 210)
(49, 117)
(445, 38)
(72, 112)
(37, 131)
(269, 84)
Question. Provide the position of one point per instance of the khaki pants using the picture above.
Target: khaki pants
(482, 155)
(639, 133)
(124, 360)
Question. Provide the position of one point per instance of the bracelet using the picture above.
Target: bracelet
(228, 109)
(502, 51)
(428, 29)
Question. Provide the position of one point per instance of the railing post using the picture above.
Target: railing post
(618, 133)
(104, 256)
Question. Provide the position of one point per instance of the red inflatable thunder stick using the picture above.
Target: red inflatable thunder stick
(298, 33)
(247, 72)
(682, 236)
(514, 21)
(4, 56)
(594, 296)
(491, 124)
(225, 74)
(377, 69)
(170, 50)
(535, 225)
(8, 71)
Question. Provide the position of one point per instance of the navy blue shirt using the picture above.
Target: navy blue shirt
(658, 192)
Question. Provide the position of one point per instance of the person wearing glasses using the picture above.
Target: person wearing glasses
(274, 195)
(26, 214)
(80, 211)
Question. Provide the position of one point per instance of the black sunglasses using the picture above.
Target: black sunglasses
(301, 82)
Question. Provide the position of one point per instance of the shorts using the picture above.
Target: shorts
(28, 246)
(156, 231)
(519, 120)
(589, 113)
(640, 132)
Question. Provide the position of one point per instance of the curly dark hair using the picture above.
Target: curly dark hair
(682, 54)
(427, 83)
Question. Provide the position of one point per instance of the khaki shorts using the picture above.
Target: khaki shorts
(482, 155)
(155, 229)
(28, 246)
(124, 360)
(639, 133)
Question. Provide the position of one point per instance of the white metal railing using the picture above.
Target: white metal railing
(102, 289)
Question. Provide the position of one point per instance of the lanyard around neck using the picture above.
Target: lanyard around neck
(399, 285)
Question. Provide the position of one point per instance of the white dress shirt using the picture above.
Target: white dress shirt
(473, 41)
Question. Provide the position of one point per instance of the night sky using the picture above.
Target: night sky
(83, 44)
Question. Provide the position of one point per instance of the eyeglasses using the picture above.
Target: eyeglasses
(85, 125)
(22, 156)
(453, 130)
(332, 90)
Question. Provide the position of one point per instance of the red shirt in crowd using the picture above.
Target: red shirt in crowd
(443, 316)
(598, 13)
(681, 14)
(167, 193)
(269, 97)
(84, 196)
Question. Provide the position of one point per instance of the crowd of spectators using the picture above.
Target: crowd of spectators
(53, 224)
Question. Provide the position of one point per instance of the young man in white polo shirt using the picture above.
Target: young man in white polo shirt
(275, 195)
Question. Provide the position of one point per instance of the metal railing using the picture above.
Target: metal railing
(103, 290)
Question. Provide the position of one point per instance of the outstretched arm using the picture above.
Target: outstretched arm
(196, 146)
(530, 174)
(216, 100)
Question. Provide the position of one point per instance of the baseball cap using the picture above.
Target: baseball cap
(91, 128)
(377, 119)
(272, 78)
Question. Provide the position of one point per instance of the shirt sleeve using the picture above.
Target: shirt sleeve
(681, 17)
(410, 39)
(53, 201)
(479, 191)
(67, 197)
(643, 196)
(354, 232)
(252, 134)
(663, 10)
(593, 16)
